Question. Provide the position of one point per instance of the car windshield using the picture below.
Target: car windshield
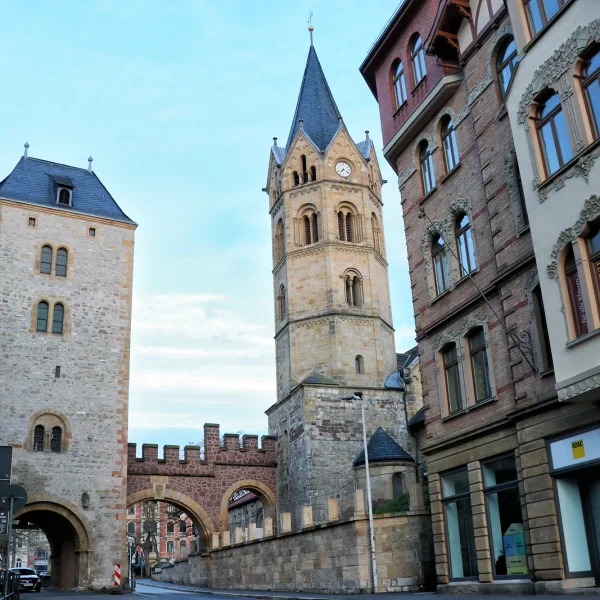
(24, 571)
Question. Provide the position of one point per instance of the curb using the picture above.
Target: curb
(243, 594)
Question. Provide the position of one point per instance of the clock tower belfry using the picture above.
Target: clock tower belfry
(333, 321)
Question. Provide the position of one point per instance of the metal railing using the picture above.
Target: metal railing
(9, 585)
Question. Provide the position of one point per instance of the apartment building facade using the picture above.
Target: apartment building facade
(441, 72)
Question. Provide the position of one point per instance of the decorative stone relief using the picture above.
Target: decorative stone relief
(589, 212)
(558, 64)
(482, 85)
(306, 190)
(403, 177)
(459, 329)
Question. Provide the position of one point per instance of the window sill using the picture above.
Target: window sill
(450, 173)
(466, 277)
(547, 373)
(469, 408)
(400, 109)
(502, 112)
(545, 28)
(583, 338)
(428, 194)
(442, 295)
(523, 231)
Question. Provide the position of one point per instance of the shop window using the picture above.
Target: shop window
(593, 249)
(505, 518)
(591, 87)
(460, 538)
(575, 294)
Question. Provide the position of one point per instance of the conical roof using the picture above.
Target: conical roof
(316, 106)
(382, 447)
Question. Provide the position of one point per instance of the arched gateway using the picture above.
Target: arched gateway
(202, 485)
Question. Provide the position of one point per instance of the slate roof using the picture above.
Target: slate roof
(36, 181)
(365, 147)
(279, 154)
(318, 379)
(405, 358)
(417, 420)
(382, 447)
(316, 106)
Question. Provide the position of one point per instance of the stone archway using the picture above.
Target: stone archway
(265, 493)
(69, 534)
(191, 507)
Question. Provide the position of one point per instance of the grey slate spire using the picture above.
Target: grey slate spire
(382, 448)
(316, 106)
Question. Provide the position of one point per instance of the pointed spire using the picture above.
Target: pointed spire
(316, 107)
(90, 160)
(26, 146)
(310, 27)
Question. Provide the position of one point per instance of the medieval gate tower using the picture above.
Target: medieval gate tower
(333, 321)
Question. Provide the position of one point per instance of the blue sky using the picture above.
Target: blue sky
(178, 101)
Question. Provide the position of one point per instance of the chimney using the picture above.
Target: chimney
(90, 160)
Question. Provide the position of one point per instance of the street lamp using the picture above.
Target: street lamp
(359, 396)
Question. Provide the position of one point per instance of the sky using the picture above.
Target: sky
(178, 102)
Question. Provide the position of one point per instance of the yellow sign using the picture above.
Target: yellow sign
(578, 449)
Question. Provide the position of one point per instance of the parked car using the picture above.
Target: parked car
(28, 579)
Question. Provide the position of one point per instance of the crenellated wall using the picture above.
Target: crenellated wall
(203, 484)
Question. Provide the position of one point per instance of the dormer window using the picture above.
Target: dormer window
(64, 196)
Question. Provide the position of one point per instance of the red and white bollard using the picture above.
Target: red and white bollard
(117, 575)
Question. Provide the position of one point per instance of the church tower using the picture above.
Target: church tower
(333, 321)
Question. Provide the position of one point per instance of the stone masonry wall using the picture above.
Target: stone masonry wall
(332, 558)
(90, 397)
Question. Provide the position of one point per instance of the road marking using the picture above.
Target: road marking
(145, 595)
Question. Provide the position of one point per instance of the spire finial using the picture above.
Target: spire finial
(367, 134)
(90, 159)
(274, 141)
(310, 27)
(26, 146)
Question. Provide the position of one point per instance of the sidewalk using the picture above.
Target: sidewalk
(285, 595)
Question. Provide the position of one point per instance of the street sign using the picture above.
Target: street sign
(17, 492)
(5, 462)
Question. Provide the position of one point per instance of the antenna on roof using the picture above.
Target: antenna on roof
(310, 27)
(90, 160)
(26, 146)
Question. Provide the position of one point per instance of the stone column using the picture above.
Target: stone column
(438, 529)
(480, 525)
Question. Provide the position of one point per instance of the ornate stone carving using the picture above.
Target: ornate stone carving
(459, 207)
(461, 116)
(459, 329)
(559, 63)
(503, 32)
(306, 190)
(589, 212)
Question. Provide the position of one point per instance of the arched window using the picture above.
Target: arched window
(279, 244)
(440, 265)
(480, 368)
(591, 87)
(349, 228)
(61, 262)
(553, 135)
(506, 63)
(46, 260)
(182, 544)
(19, 563)
(170, 547)
(539, 12)
(575, 294)
(315, 228)
(170, 528)
(449, 144)
(541, 327)
(593, 250)
(58, 317)
(313, 173)
(307, 230)
(182, 526)
(426, 162)
(42, 316)
(376, 233)
(131, 528)
(353, 284)
(281, 303)
(359, 364)
(38, 438)
(296, 178)
(341, 227)
(304, 169)
(452, 378)
(397, 485)
(399, 84)
(466, 249)
(56, 439)
(417, 59)
(64, 197)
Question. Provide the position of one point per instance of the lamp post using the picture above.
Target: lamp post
(359, 396)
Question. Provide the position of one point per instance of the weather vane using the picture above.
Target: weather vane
(310, 27)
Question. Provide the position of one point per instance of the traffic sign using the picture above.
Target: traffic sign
(17, 492)
(5, 462)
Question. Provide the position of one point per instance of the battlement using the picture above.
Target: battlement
(230, 452)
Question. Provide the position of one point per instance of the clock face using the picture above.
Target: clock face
(343, 169)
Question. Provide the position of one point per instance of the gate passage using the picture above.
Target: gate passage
(203, 485)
